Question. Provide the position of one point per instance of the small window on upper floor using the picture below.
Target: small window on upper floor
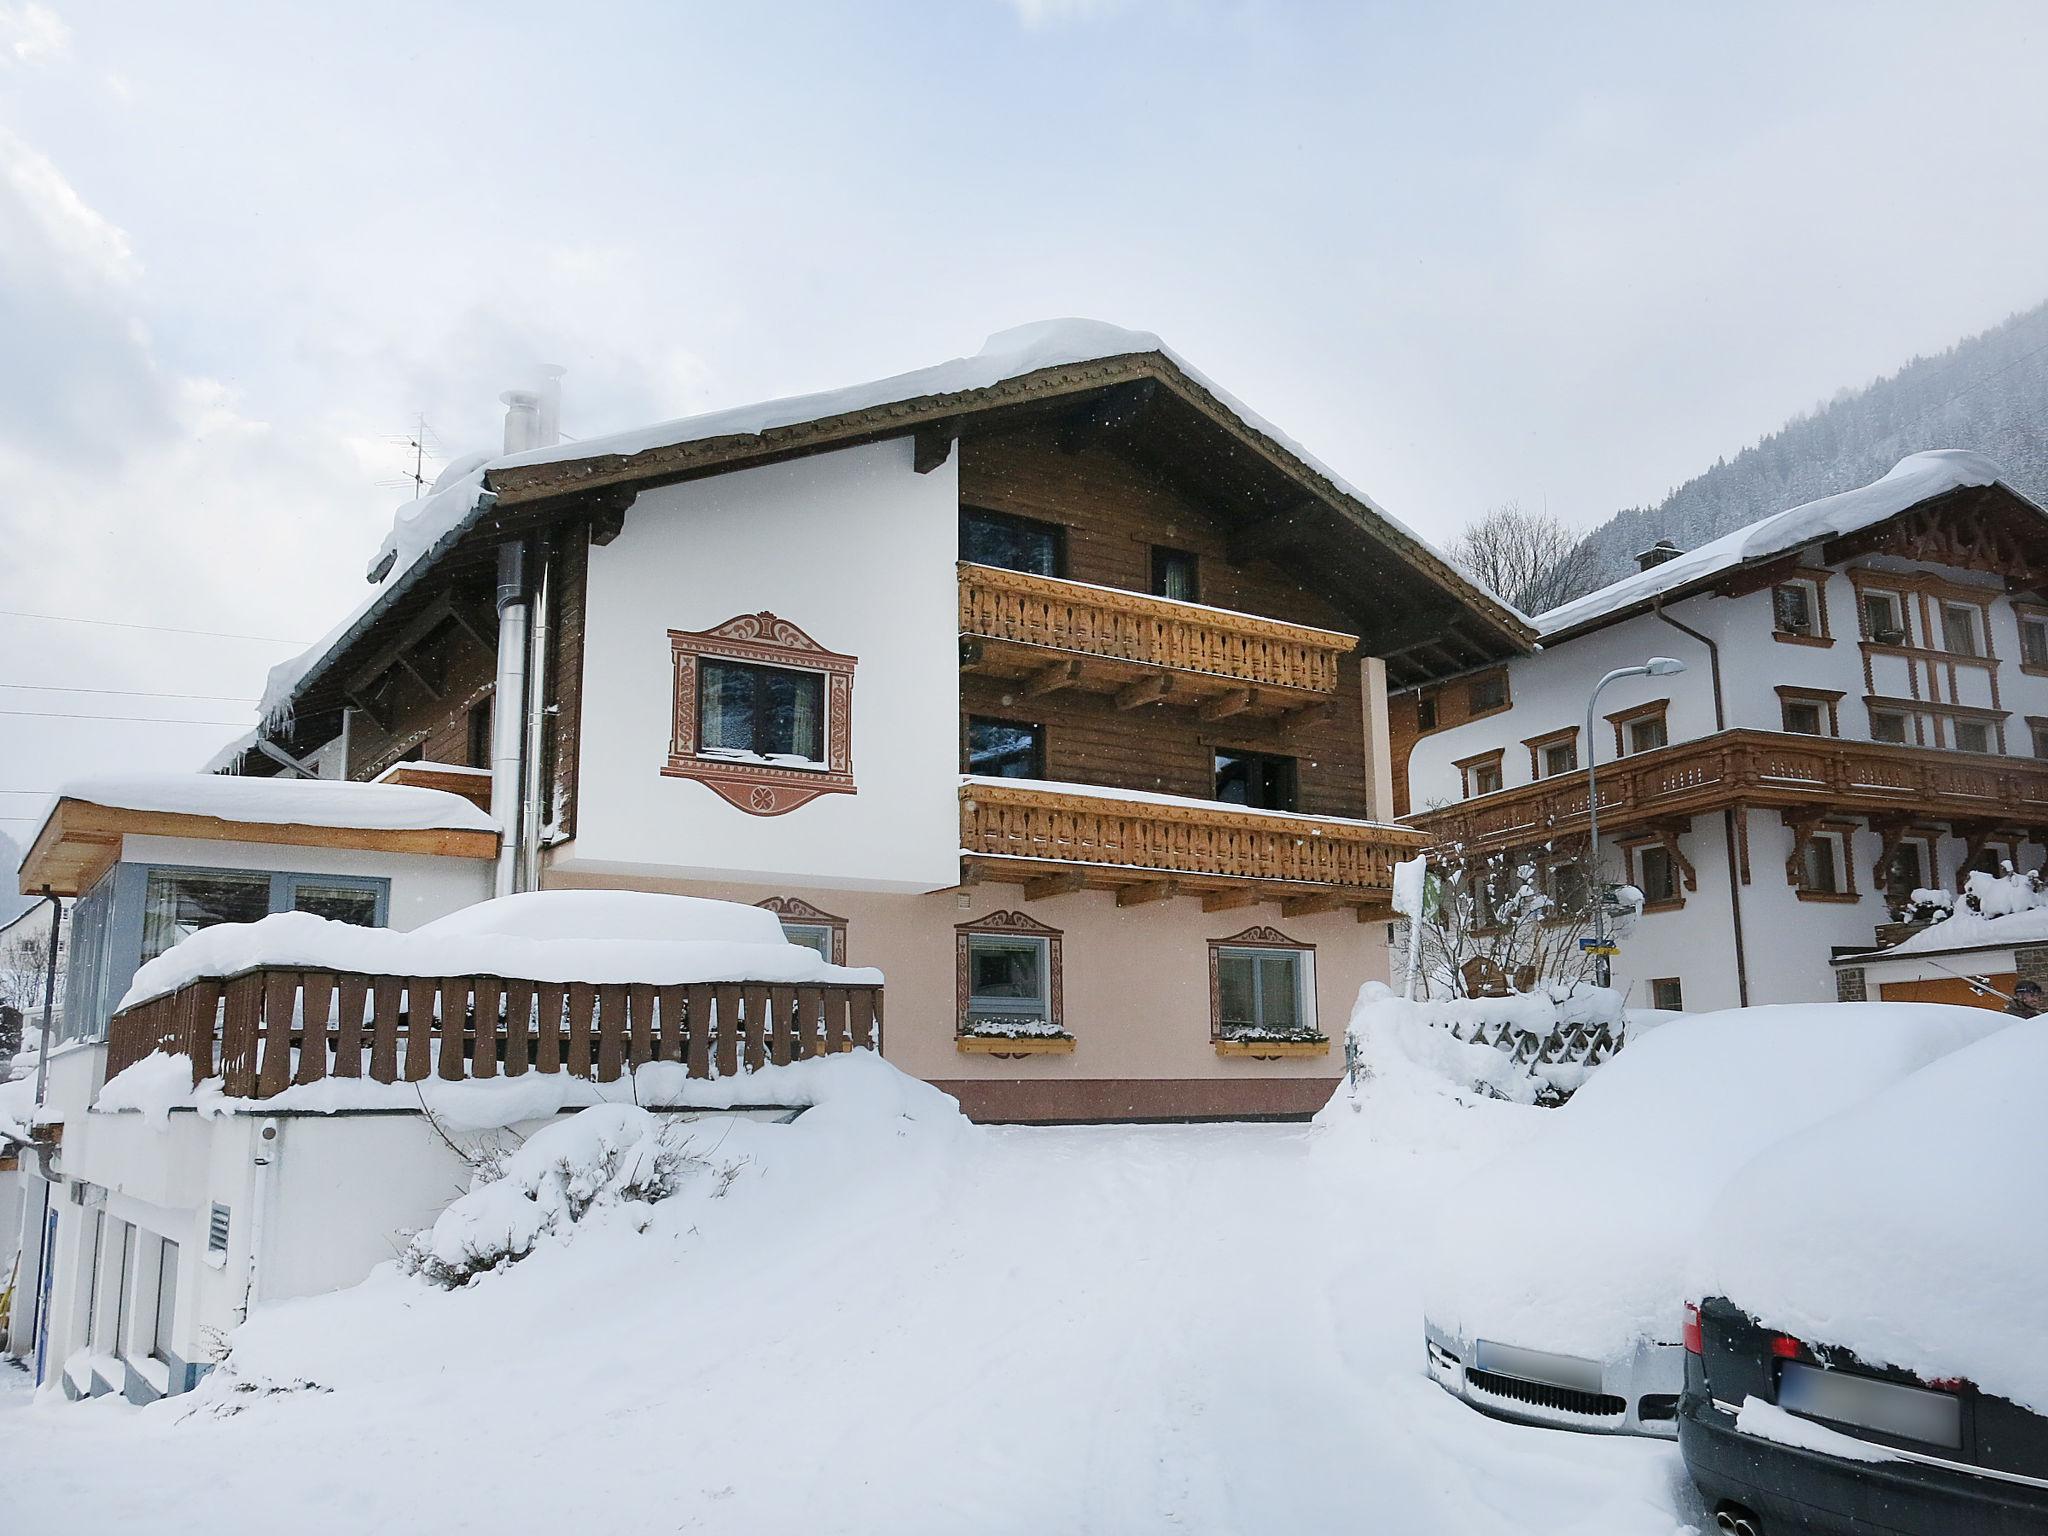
(2040, 733)
(1795, 608)
(767, 714)
(1888, 725)
(1258, 781)
(1562, 757)
(1425, 712)
(1881, 620)
(1959, 629)
(1012, 543)
(1820, 866)
(1647, 734)
(1487, 692)
(1484, 779)
(2034, 639)
(1973, 736)
(1806, 717)
(1175, 575)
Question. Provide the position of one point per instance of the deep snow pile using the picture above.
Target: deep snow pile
(2005, 908)
(1488, 1045)
(1577, 1240)
(1909, 1228)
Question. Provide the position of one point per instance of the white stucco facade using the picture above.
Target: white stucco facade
(857, 550)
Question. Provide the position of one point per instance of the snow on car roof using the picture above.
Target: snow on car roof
(1916, 478)
(1915, 1237)
(1577, 1241)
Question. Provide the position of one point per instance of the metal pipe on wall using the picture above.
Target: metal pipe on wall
(534, 809)
(508, 734)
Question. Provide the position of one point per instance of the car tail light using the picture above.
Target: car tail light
(1694, 1345)
(1785, 1347)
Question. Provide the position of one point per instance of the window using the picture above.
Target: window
(1005, 749)
(1257, 780)
(810, 926)
(95, 1335)
(1553, 753)
(1881, 618)
(166, 1299)
(1887, 725)
(1174, 575)
(1009, 975)
(1973, 736)
(1804, 717)
(1425, 712)
(1486, 778)
(774, 714)
(480, 734)
(1566, 886)
(1959, 635)
(1656, 874)
(1820, 865)
(2034, 640)
(1012, 543)
(124, 1290)
(1795, 608)
(1647, 734)
(1259, 989)
(1563, 757)
(1486, 693)
(336, 902)
(812, 936)
(2040, 734)
(763, 714)
(1666, 994)
(1905, 871)
(178, 903)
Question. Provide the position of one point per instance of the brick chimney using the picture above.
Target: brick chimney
(1657, 554)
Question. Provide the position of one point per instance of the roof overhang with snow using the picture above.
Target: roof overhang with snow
(83, 835)
(1948, 506)
(1100, 383)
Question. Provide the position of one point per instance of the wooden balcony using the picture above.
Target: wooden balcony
(1146, 848)
(1050, 634)
(1736, 769)
(265, 1030)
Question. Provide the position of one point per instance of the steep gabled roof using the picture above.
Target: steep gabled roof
(482, 499)
(1913, 481)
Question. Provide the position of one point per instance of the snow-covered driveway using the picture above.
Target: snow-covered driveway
(1207, 1329)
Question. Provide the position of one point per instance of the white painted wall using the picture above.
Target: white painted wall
(858, 551)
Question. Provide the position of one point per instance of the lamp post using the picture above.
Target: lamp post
(1656, 666)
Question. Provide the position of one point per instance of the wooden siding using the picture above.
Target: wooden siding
(1115, 512)
(564, 730)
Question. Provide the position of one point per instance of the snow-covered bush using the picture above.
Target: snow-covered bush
(608, 1158)
(1984, 895)
(1531, 1048)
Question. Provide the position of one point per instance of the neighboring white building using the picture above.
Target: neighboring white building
(1864, 712)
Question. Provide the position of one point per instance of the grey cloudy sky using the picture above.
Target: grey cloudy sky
(1563, 253)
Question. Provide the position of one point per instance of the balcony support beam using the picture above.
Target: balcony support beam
(1309, 906)
(1039, 887)
(1051, 678)
(1146, 891)
(1229, 901)
(1146, 690)
(1224, 705)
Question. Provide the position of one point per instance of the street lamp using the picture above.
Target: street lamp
(1656, 666)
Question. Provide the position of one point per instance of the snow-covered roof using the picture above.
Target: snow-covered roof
(1972, 930)
(590, 936)
(424, 529)
(285, 802)
(1916, 478)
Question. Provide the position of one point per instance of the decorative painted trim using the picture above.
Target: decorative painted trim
(794, 909)
(761, 789)
(1259, 936)
(1009, 924)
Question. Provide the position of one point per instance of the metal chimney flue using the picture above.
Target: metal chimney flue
(522, 420)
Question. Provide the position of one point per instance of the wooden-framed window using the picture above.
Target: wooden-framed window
(763, 714)
(1005, 749)
(1487, 693)
(810, 926)
(1012, 543)
(1425, 712)
(1799, 610)
(1481, 775)
(1570, 892)
(1260, 781)
(1821, 867)
(1553, 753)
(1889, 725)
(1658, 869)
(2033, 623)
(1667, 994)
(1962, 629)
(1262, 985)
(1974, 736)
(1908, 867)
(1176, 574)
(1641, 728)
(1810, 711)
(1884, 617)
(479, 731)
(1008, 975)
(2037, 730)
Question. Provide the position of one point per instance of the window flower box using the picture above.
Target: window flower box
(1272, 1044)
(1014, 1045)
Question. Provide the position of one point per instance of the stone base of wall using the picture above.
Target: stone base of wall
(1089, 1101)
(1849, 984)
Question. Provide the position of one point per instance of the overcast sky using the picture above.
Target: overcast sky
(1559, 253)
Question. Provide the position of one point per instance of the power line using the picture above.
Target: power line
(51, 714)
(161, 629)
(134, 693)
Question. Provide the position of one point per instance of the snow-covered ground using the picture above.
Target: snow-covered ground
(893, 1324)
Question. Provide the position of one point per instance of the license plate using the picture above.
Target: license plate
(1913, 1413)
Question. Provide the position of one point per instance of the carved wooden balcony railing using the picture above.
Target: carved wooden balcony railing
(1146, 847)
(1067, 634)
(1755, 768)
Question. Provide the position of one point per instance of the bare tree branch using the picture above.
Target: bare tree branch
(1533, 559)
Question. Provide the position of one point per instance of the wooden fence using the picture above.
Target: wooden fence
(265, 1030)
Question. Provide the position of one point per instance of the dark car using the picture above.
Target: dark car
(1784, 1434)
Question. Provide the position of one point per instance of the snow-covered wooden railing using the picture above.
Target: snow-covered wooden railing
(267, 1029)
